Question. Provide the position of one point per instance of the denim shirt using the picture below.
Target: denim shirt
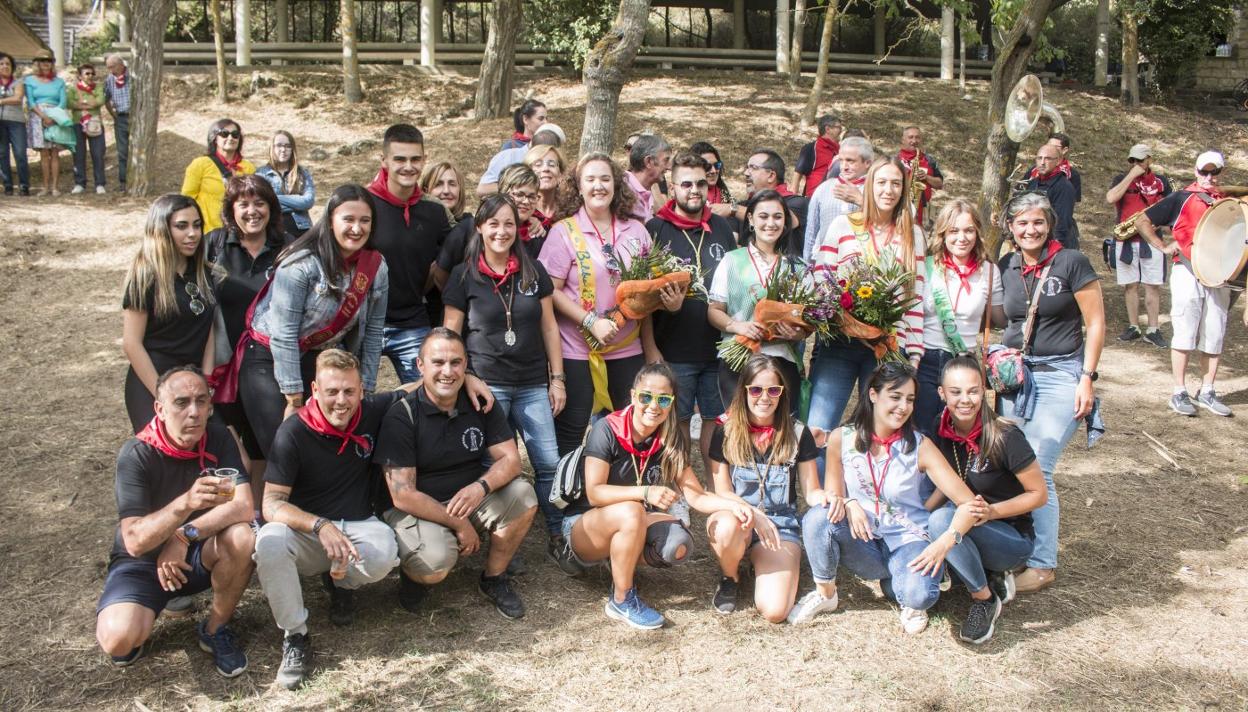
(299, 303)
(296, 205)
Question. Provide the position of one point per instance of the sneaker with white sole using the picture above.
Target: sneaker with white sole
(913, 621)
(100, 190)
(981, 620)
(811, 605)
(1155, 338)
(1181, 403)
(78, 190)
(633, 611)
(1208, 399)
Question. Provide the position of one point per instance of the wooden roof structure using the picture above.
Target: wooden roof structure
(16, 37)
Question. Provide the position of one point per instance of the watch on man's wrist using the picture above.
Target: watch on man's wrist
(190, 532)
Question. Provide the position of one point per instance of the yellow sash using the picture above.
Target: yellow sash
(589, 302)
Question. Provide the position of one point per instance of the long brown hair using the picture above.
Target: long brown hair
(738, 445)
(569, 195)
(292, 183)
(155, 264)
(994, 427)
(675, 438)
(902, 220)
(944, 223)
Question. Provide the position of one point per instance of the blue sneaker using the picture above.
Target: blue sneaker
(634, 611)
(226, 652)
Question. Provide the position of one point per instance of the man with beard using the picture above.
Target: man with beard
(1049, 179)
(408, 232)
(1138, 261)
(919, 166)
(838, 196)
(685, 336)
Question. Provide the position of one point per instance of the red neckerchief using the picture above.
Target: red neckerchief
(1148, 186)
(621, 424)
(762, 436)
(1064, 168)
(513, 267)
(6, 85)
(1054, 247)
(522, 231)
(231, 164)
(90, 89)
(546, 220)
(826, 151)
(1195, 188)
(316, 421)
(521, 138)
(1035, 173)
(668, 213)
(714, 194)
(947, 431)
(964, 273)
(878, 485)
(49, 76)
(380, 187)
(120, 82)
(154, 434)
(783, 190)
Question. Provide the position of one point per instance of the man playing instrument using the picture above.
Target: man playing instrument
(1139, 261)
(920, 168)
(1197, 313)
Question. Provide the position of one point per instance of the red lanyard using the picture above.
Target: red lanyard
(759, 272)
(876, 247)
(878, 485)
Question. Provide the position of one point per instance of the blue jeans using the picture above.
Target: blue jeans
(402, 346)
(528, 411)
(836, 368)
(1047, 432)
(992, 546)
(121, 133)
(96, 144)
(829, 545)
(13, 133)
(927, 402)
(697, 383)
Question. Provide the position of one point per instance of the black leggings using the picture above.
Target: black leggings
(139, 400)
(570, 424)
(792, 383)
(262, 400)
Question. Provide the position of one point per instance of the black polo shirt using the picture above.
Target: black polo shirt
(178, 339)
(687, 336)
(995, 481)
(485, 324)
(409, 250)
(244, 275)
(447, 449)
(323, 482)
(621, 470)
(1058, 328)
(148, 480)
(456, 244)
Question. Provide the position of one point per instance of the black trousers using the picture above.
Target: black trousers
(571, 423)
(263, 402)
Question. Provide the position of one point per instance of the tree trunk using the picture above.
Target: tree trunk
(1102, 43)
(1001, 153)
(1129, 92)
(150, 18)
(498, 63)
(606, 70)
(821, 69)
(218, 42)
(350, 58)
(783, 21)
(795, 52)
(948, 20)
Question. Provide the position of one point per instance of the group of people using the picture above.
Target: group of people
(504, 322)
(44, 113)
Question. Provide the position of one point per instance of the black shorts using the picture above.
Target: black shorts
(134, 581)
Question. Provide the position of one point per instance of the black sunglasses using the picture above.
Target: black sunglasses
(1214, 172)
(231, 134)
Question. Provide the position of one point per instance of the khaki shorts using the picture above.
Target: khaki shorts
(427, 548)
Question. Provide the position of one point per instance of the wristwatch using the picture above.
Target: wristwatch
(957, 535)
(1090, 374)
(190, 531)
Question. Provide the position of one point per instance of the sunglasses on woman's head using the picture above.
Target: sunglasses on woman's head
(771, 391)
(664, 400)
(230, 134)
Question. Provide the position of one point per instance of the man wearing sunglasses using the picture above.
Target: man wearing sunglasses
(816, 157)
(1197, 313)
(685, 337)
(1049, 179)
(1137, 262)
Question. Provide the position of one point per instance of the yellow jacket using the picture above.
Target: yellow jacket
(203, 184)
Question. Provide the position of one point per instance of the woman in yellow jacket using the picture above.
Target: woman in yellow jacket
(207, 175)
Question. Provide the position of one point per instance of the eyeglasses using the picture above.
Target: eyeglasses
(192, 291)
(718, 165)
(523, 197)
(282, 147)
(688, 184)
(664, 400)
(230, 134)
(752, 167)
(1214, 172)
(771, 391)
(548, 163)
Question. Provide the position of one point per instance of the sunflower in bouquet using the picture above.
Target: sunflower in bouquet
(639, 282)
(803, 298)
(873, 298)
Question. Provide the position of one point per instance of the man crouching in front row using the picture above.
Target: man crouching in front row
(184, 526)
(435, 447)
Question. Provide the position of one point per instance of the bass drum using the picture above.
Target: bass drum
(1220, 244)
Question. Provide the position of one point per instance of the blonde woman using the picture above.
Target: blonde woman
(292, 183)
(167, 304)
(548, 163)
(444, 182)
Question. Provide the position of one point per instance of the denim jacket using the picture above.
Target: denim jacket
(296, 205)
(299, 303)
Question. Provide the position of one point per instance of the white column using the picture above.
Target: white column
(948, 18)
(1102, 43)
(123, 20)
(282, 9)
(428, 33)
(784, 35)
(242, 32)
(56, 30)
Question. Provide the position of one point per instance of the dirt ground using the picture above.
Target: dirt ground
(1149, 610)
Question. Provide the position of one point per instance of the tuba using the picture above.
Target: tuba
(1026, 106)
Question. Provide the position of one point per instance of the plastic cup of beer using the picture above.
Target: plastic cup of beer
(337, 569)
(227, 481)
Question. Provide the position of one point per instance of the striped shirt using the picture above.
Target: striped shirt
(840, 246)
(824, 208)
(118, 96)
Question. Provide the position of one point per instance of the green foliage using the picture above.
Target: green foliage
(568, 27)
(1006, 12)
(1175, 34)
(90, 47)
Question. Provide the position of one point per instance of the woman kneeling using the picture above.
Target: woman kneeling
(758, 453)
(637, 483)
(870, 514)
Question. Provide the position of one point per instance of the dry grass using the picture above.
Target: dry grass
(1149, 611)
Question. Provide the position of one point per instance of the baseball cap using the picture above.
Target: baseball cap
(1139, 152)
(552, 128)
(1210, 157)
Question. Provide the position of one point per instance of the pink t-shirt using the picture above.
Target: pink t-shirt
(643, 209)
(559, 258)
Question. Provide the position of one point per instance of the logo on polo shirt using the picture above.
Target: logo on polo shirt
(530, 290)
(717, 251)
(472, 439)
(363, 453)
(1053, 286)
(654, 473)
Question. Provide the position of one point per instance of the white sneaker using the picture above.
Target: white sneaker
(913, 621)
(811, 605)
(78, 190)
(99, 190)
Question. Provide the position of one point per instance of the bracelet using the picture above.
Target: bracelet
(588, 322)
(318, 525)
(181, 536)
(645, 494)
(485, 486)
(563, 377)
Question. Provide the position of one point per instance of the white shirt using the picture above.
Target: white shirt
(968, 307)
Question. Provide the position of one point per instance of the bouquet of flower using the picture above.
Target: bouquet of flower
(872, 299)
(803, 299)
(637, 293)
